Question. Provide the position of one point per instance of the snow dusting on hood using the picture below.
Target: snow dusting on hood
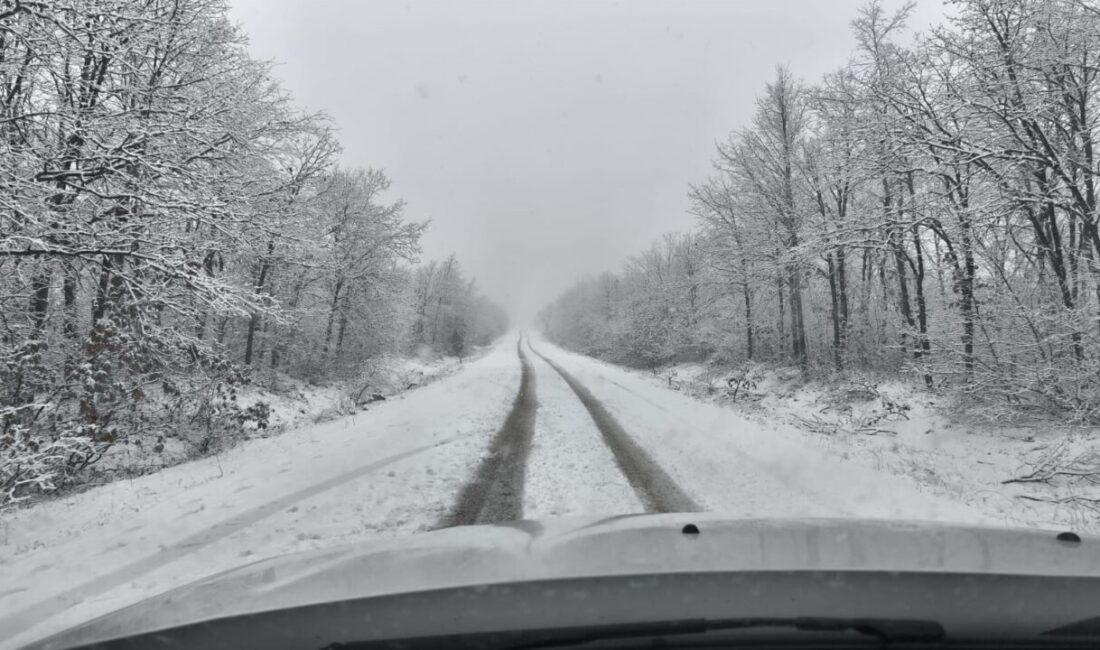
(581, 547)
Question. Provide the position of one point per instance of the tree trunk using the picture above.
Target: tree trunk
(842, 284)
(1075, 276)
(200, 328)
(69, 328)
(222, 328)
(110, 287)
(798, 328)
(748, 320)
(1044, 225)
(254, 319)
(923, 344)
(99, 306)
(333, 308)
(782, 315)
(966, 290)
(834, 310)
(922, 306)
(897, 245)
(265, 340)
(250, 338)
(345, 308)
(40, 302)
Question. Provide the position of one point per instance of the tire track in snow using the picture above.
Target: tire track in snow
(32, 614)
(656, 489)
(495, 493)
(570, 470)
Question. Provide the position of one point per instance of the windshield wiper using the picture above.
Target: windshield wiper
(884, 629)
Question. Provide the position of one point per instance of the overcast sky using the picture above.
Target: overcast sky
(546, 140)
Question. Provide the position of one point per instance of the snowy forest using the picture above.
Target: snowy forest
(930, 209)
(173, 227)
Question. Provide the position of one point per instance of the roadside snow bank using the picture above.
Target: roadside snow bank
(901, 429)
(281, 403)
(755, 467)
(392, 469)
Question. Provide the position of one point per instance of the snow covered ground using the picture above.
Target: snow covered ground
(946, 450)
(292, 404)
(390, 470)
(397, 468)
(570, 470)
(732, 464)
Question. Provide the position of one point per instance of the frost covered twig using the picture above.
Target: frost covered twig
(1090, 503)
(1084, 466)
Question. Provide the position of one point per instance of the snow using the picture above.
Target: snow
(397, 467)
(292, 403)
(570, 470)
(296, 403)
(941, 447)
(732, 464)
(393, 469)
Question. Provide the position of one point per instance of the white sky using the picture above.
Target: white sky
(546, 140)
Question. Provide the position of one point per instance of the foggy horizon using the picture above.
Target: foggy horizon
(545, 141)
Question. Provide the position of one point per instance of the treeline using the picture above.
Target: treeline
(449, 314)
(930, 208)
(171, 225)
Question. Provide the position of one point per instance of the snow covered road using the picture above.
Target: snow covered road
(391, 470)
(502, 438)
(570, 470)
(495, 493)
(733, 465)
(656, 490)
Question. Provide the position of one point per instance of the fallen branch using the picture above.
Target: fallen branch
(873, 431)
(1091, 503)
(817, 425)
(1084, 466)
(832, 427)
(1089, 475)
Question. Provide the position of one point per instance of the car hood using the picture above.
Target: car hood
(576, 548)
